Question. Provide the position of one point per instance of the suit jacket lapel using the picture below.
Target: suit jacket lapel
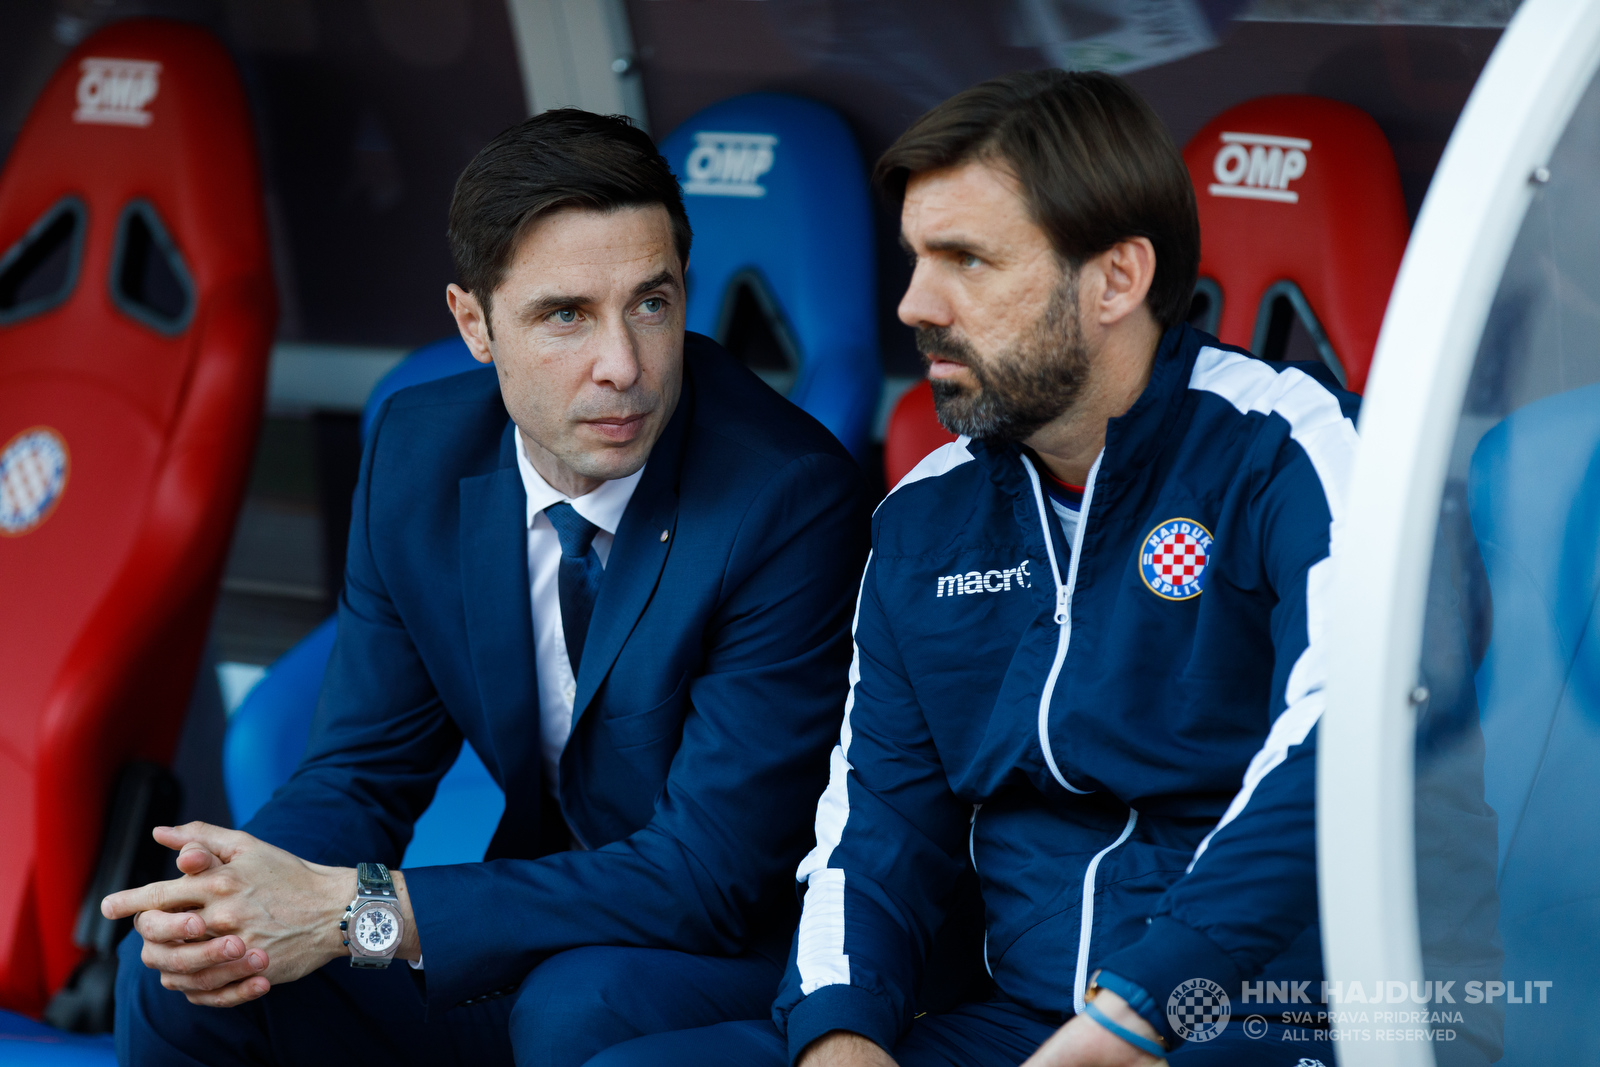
(644, 538)
(494, 589)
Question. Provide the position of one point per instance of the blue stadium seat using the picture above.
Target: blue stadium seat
(1534, 499)
(267, 734)
(783, 270)
(24, 1042)
(438, 360)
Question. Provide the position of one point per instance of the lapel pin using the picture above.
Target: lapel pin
(663, 535)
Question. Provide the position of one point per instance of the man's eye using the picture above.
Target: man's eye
(566, 316)
(969, 260)
(652, 305)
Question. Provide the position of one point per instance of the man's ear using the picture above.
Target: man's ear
(1128, 268)
(471, 321)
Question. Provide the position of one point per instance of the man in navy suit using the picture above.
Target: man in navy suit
(623, 569)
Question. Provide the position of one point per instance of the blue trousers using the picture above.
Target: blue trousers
(570, 1007)
(996, 1033)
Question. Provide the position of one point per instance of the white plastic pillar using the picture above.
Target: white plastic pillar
(578, 53)
(1447, 281)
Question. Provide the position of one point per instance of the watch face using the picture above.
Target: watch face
(377, 929)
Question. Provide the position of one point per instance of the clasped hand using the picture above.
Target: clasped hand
(244, 915)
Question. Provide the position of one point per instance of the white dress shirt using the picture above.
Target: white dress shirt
(557, 686)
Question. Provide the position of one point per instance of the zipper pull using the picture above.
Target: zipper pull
(1061, 605)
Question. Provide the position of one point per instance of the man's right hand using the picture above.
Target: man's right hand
(841, 1048)
(245, 915)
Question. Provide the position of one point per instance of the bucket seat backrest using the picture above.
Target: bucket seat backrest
(136, 313)
(782, 270)
(1301, 221)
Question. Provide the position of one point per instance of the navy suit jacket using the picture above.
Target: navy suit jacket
(710, 693)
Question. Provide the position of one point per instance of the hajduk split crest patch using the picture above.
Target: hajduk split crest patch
(33, 475)
(1173, 559)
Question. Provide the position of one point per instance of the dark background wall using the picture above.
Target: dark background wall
(367, 110)
(882, 64)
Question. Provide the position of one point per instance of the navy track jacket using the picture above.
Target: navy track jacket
(708, 696)
(1118, 734)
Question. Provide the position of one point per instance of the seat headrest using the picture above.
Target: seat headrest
(1304, 191)
(139, 153)
(440, 359)
(777, 194)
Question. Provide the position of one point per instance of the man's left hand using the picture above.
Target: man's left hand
(244, 916)
(1082, 1042)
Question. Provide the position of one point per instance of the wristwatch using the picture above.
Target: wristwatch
(372, 926)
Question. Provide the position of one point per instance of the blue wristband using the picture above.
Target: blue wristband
(1134, 994)
(1143, 1044)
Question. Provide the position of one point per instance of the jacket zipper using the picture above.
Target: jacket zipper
(972, 854)
(1080, 980)
(1063, 614)
(1064, 591)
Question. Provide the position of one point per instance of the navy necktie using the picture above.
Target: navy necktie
(578, 580)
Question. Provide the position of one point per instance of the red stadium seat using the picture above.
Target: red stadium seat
(1301, 217)
(913, 432)
(136, 314)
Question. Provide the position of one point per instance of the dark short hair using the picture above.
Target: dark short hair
(561, 158)
(1095, 164)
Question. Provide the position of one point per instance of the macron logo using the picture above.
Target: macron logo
(984, 581)
(1259, 166)
(729, 164)
(115, 92)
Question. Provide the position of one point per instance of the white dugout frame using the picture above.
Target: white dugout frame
(1498, 154)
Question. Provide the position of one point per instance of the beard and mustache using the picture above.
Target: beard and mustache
(1022, 387)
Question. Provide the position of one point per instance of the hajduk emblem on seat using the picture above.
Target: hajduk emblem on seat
(1173, 559)
(33, 475)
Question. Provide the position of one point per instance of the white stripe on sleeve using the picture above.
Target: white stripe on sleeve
(1319, 426)
(819, 953)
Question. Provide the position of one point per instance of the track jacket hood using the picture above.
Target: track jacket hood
(1117, 733)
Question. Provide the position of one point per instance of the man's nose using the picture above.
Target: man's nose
(616, 363)
(923, 305)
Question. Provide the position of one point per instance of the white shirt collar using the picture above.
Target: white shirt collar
(603, 507)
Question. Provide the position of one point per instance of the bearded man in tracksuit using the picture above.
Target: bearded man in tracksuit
(1087, 642)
